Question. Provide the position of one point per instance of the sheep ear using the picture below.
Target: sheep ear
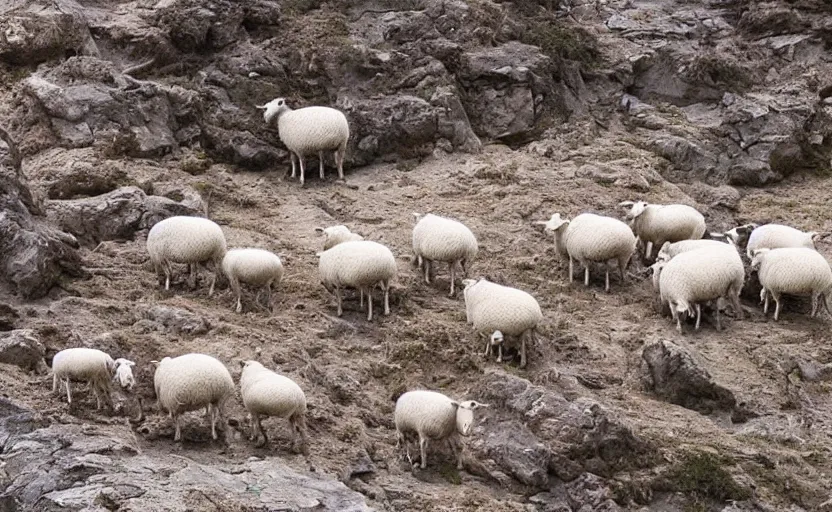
(242, 363)
(319, 230)
(626, 204)
(318, 254)
(260, 107)
(540, 222)
(477, 405)
(814, 235)
(455, 404)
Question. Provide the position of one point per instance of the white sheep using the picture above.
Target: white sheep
(84, 365)
(776, 236)
(590, 237)
(493, 307)
(361, 264)
(335, 235)
(669, 250)
(655, 224)
(190, 382)
(701, 275)
(184, 239)
(257, 267)
(793, 270)
(266, 393)
(124, 373)
(438, 238)
(433, 417)
(309, 130)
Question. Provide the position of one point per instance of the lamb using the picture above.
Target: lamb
(492, 307)
(124, 373)
(669, 250)
(700, 275)
(360, 264)
(184, 239)
(793, 270)
(266, 393)
(433, 416)
(336, 235)
(776, 236)
(590, 237)
(656, 224)
(84, 365)
(257, 267)
(309, 130)
(190, 382)
(438, 238)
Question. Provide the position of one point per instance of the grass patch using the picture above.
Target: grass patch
(563, 42)
(450, 473)
(703, 477)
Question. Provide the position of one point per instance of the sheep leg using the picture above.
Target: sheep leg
(571, 267)
(361, 295)
(586, 273)
(463, 264)
(453, 277)
(523, 350)
(500, 353)
(167, 269)
(302, 169)
(776, 306)
(192, 271)
(386, 287)
(235, 287)
(68, 393)
(814, 304)
(299, 424)
(427, 271)
(262, 438)
(698, 308)
(369, 303)
(54, 383)
(177, 435)
(648, 250)
(487, 348)
(293, 158)
(214, 416)
(622, 267)
(718, 318)
(607, 280)
(269, 302)
(338, 301)
(339, 161)
(456, 448)
(765, 304)
(321, 163)
(423, 450)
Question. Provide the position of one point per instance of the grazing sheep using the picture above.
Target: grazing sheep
(793, 270)
(359, 264)
(190, 382)
(589, 237)
(266, 393)
(656, 224)
(433, 417)
(438, 238)
(124, 373)
(309, 130)
(84, 365)
(493, 307)
(257, 267)
(183, 239)
(776, 236)
(701, 275)
(669, 250)
(336, 235)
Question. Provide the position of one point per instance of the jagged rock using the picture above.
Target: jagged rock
(505, 86)
(71, 173)
(113, 216)
(678, 377)
(567, 437)
(35, 255)
(177, 321)
(68, 467)
(244, 149)
(22, 348)
(725, 196)
(8, 317)
(35, 31)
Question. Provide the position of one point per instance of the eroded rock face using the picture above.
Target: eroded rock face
(22, 348)
(64, 467)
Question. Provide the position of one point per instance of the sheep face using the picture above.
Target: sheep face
(739, 235)
(554, 224)
(465, 416)
(467, 283)
(273, 109)
(636, 208)
(757, 258)
(497, 338)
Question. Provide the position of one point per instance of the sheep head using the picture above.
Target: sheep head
(554, 224)
(465, 415)
(757, 256)
(274, 109)
(740, 234)
(635, 208)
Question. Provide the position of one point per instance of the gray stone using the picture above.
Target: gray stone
(22, 348)
(177, 320)
(43, 31)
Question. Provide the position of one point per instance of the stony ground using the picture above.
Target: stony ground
(615, 411)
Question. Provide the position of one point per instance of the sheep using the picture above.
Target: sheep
(492, 307)
(433, 416)
(84, 365)
(669, 250)
(656, 224)
(309, 130)
(697, 276)
(590, 237)
(792, 270)
(190, 382)
(124, 373)
(775, 236)
(184, 239)
(336, 235)
(438, 238)
(266, 393)
(257, 267)
(360, 264)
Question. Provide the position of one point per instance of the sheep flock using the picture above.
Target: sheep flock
(692, 270)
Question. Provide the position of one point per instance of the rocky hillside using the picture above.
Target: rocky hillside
(119, 114)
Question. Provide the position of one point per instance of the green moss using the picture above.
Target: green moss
(450, 473)
(703, 477)
(720, 70)
(563, 42)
